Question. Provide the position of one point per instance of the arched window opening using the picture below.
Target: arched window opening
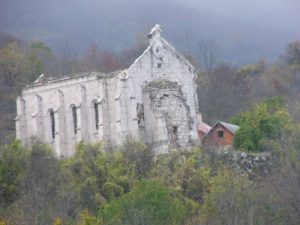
(52, 122)
(74, 116)
(96, 115)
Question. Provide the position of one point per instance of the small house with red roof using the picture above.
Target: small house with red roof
(220, 135)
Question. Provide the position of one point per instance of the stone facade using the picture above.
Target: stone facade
(166, 114)
(154, 101)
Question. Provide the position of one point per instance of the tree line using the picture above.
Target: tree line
(133, 186)
(225, 90)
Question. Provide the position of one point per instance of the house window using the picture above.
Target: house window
(96, 115)
(158, 65)
(74, 117)
(220, 133)
(52, 122)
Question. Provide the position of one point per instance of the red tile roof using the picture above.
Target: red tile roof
(204, 127)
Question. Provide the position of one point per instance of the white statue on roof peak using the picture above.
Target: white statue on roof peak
(155, 29)
(156, 42)
(154, 34)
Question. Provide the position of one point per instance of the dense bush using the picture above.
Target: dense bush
(148, 203)
(266, 122)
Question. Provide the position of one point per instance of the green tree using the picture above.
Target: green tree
(88, 219)
(148, 203)
(233, 199)
(40, 59)
(89, 171)
(266, 122)
(19, 65)
(292, 54)
(12, 65)
(186, 172)
(99, 177)
(12, 164)
(45, 189)
(140, 156)
(283, 184)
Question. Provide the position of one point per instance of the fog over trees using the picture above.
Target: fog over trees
(245, 30)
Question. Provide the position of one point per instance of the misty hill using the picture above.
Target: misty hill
(243, 37)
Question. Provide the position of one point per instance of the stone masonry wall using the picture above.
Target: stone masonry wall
(167, 116)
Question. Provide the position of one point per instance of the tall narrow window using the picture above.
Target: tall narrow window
(52, 122)
(96, 115)
(74, 116)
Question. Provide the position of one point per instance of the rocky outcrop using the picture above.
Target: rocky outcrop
(253, 164)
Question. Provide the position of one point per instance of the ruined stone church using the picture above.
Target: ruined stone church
(153, 101)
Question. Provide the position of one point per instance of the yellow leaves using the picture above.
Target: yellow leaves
(6, 222)
(89, 219)
(248, 70)
(100, 200)
(58, 221)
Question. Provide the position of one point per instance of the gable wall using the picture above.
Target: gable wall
(173, 68)
(212, 138)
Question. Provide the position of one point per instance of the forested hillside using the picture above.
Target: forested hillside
(131, 186)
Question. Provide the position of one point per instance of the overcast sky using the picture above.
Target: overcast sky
(260, 11)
